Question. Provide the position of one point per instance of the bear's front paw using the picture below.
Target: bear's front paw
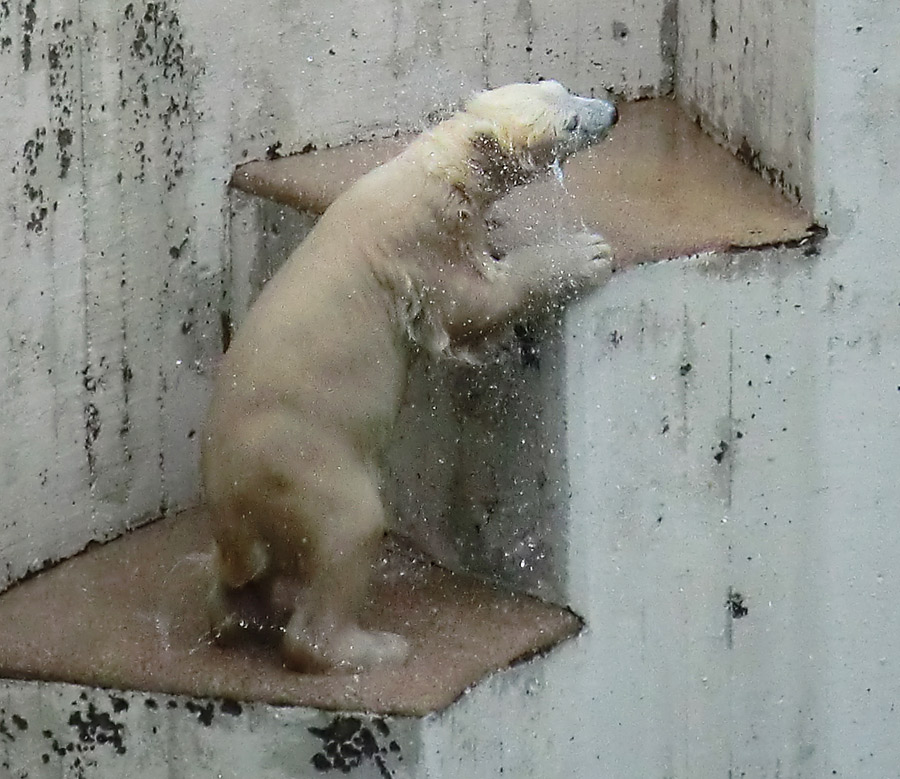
(584, 260)
(588, 246)
(347, 649)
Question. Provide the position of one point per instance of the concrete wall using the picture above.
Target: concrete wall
(731, 533)
(732, 456)
(740, 601)
(857, 156)
(111, 241)
(745, 70)
(60, 730)
(318, 73)
(694, 455)
(120, 124)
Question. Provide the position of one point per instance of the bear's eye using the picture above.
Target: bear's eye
(572, 124)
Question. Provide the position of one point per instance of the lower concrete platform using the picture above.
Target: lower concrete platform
(129, 615)
(51, 730)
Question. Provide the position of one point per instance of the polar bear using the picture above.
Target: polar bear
(309, 390)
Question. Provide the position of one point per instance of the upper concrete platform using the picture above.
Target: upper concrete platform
(658, 188)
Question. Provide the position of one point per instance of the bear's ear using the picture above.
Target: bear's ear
(498, 166)
(485, 144)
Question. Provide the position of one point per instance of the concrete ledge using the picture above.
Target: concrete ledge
(130, 615)
(51, 730)
(659, 188)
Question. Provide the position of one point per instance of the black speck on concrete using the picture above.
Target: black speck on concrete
(231, 707)
(736, 605)
(720, 454)
(204, 711)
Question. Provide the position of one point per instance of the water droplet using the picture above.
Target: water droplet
(556, 167)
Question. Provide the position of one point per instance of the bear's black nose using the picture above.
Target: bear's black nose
(614, 116)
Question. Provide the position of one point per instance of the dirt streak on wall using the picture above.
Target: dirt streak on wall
(106, 311)
(744, 69)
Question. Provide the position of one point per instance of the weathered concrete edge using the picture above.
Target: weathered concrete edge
(52, 729)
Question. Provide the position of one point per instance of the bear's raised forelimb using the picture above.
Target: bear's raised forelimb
(525, 282)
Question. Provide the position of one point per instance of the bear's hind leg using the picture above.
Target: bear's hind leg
(323, 634)
(240, 603)
(240, 613)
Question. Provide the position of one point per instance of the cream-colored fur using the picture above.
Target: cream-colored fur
(308, 392)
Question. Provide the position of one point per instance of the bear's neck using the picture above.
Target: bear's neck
(455, 153)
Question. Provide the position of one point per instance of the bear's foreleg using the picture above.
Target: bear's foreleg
(526, 281)
(344, 519)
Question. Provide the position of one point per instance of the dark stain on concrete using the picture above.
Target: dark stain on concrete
(61, 66)
(529, 347)
(620, 31)
(91, 729)
(273, 151)
(668, 45)
(94, 727)
(204, 711)
(64, 141)
(59, 56)
(735, 605)
(232, 708)
(34, 191)
(721, 451)
(5, 40)
(226, 327)
(348, 742)
(125, 424)
(751, 157)
(27, 31)
(158, 88)
(92, 428)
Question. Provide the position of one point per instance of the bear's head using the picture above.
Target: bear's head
(519, 131)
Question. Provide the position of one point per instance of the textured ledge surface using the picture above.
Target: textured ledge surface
(658, 188)
(129, 615)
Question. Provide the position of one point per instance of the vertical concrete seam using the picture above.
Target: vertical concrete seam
(84, 260)
(668, 47)
(730, 459)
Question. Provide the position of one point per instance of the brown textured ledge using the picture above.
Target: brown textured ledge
(129, 615)
(658, 188)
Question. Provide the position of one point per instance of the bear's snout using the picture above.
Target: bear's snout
(604, 114)
(597, 116)
(614, 114)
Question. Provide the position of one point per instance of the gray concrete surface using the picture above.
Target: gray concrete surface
(739, 590)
